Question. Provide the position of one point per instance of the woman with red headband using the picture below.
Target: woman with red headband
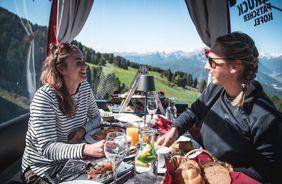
(240, 125)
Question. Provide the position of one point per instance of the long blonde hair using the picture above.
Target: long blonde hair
(239, 46)
(52, 77)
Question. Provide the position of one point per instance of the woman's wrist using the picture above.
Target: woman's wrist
(85, 150)
(174, 133)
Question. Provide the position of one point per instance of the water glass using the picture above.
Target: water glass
(115, 148)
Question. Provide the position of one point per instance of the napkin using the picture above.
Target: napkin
(237, 177)
(241, 178)
(162, 124)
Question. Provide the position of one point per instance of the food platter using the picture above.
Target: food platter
(85, 178)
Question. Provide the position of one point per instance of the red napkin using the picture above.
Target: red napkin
(241, 178)
(169, 172)
(163, 124)
(237, 177)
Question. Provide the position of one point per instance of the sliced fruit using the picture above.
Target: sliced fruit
(142, 164)
(146, 150)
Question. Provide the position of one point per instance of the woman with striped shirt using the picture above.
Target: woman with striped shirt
(63, 110)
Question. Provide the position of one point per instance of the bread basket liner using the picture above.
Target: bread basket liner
(202, 157)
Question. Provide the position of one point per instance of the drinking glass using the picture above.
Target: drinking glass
(116, 148)
(133, 132)
(146, 158)
(171, 111)
(152, 106)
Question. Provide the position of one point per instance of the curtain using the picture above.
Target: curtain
(52, 33)
(211, 18)
(71, 16)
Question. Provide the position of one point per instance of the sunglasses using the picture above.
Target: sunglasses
(212, 62)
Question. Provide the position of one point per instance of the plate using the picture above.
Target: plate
(83, 178)
(88, 137)
(127, 117)
(196, 145)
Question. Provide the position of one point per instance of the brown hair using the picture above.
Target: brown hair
(239, 46)
(52, 77)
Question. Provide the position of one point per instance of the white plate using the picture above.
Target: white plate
(81, 182)
(127, 117)
(88, 137)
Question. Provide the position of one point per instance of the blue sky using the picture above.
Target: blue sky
(140, 25)
(148, 25)
(163, 25)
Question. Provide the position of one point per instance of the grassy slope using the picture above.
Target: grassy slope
(126, 77)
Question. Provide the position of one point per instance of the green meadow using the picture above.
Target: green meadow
(127, 76)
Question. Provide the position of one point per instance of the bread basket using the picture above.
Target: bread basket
(213, 171)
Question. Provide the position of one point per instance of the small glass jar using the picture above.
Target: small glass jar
(146, 158)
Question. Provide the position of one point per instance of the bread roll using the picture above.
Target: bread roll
(188, 172)
(181, 147)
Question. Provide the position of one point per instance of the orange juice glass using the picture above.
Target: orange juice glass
(133, 132)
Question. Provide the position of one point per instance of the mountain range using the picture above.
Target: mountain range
(269, 74)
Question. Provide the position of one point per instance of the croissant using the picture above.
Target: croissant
(188, 172)
(177, 160)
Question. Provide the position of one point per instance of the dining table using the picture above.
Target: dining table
(128, 175)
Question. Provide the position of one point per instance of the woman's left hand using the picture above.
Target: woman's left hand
(76, 136)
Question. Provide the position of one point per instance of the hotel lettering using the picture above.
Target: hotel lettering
(258, 11)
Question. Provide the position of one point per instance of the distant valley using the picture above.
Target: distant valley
(270, 67)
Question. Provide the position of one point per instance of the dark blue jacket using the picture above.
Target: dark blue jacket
(249, 138)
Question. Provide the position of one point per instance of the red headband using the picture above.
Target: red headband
(207, 51)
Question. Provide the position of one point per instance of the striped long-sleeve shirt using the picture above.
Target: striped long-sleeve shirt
(47, 147)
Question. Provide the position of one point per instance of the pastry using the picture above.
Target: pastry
(188, 172)
(181, 147)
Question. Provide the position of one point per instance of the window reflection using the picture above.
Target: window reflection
(262, 21)
(23, 46)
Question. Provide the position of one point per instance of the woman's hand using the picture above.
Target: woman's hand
(168, 138)
(94, 150)
(76, 136)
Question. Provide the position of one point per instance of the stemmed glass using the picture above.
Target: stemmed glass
(152, 106)
(116, 148)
